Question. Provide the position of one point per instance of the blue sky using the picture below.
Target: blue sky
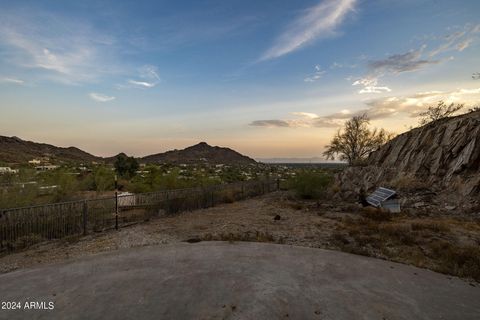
(268, 78)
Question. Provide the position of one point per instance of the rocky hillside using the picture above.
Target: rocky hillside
(16, 150)
(442, 157)
(199, 153)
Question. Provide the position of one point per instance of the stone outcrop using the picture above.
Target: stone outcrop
(442, 156)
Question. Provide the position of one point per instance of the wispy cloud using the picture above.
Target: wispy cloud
(320, 21)
(303, 120)
(64, 50)
(11, 80)
(337, 65)
(414, 60)
(457, 41)
(141, 84)
(317, 75)
(270, 123)
(370, 85)
(398, 63)
(148, 77)
(100, 97)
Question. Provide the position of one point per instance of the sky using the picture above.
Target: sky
(266, 78)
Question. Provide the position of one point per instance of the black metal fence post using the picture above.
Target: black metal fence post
(84, 217)
(116, 210)
(167, 210)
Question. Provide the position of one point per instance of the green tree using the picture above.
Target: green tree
(310, 184)
(356, 141)
(67, 186)
(104, 179)
(440, 111)
(126, 167)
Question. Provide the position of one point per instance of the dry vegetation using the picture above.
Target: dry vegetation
(444, 244)
(447, 244)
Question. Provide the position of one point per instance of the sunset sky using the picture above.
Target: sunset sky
(267, 78)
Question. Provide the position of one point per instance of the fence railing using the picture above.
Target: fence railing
(23, 227)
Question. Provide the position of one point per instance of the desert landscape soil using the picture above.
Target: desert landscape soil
(443, 243)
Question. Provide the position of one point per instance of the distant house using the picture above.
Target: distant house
(44, 190)
(25, 184)
(7, 170)
(35, 161)
(46, 168)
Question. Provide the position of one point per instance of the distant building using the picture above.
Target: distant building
(44, 190)
(24, 184)
(35, 161)
(46, 168)
(5, 170)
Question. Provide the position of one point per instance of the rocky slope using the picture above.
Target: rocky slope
(16, 150)
(442, 157)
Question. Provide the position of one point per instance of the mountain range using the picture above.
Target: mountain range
(16, 150)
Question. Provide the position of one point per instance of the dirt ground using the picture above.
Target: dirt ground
(447, 244)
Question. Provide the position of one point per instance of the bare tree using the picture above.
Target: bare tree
(440, 111)
(474, 109)
(356, 141)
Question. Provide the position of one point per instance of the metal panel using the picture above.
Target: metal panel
(392, 205)
(380, 195)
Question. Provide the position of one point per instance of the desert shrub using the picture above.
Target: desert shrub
(339, 239)
(397, 232)
(459, 260)
(228, 196)
(336, 188)
(376, 214)
(311, 185)
(257, 236)
(431, 226)
(71, 239)
(26, 241)
(408, 183)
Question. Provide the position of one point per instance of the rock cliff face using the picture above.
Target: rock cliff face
(443, 157)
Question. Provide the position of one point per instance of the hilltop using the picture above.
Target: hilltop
(15, 150)
(201, 152)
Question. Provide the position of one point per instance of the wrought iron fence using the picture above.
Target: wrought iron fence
(23, 227)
